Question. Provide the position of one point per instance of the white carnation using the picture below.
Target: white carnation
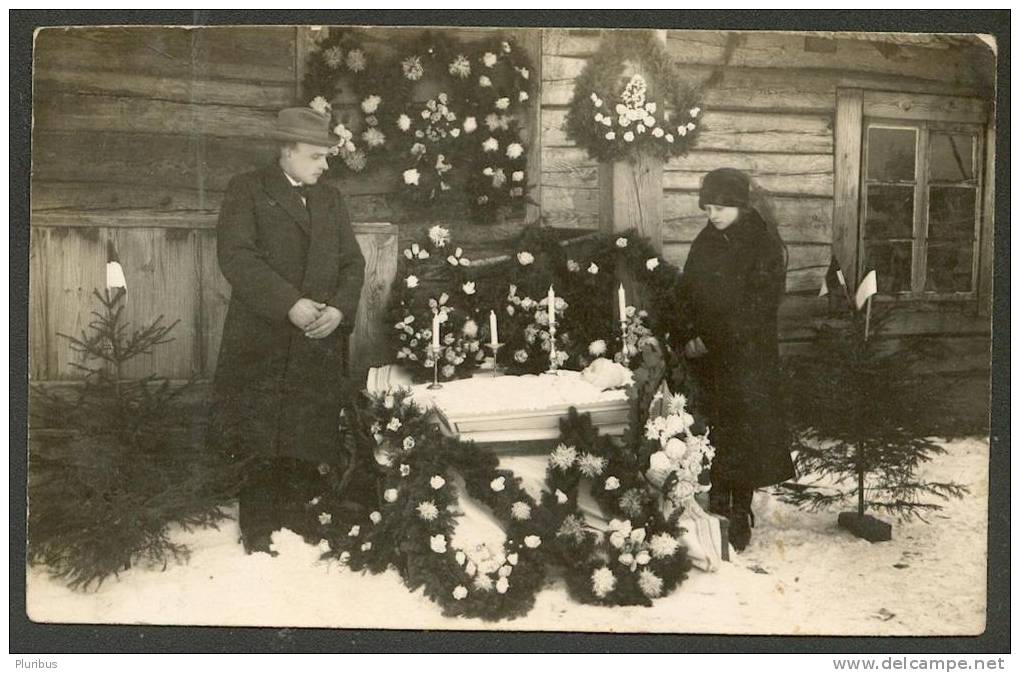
(520, 511)
(411, 176)
(652, 263)
(532, 541)
(460, 592)
(498, 484)
(603, 581)
(438, 543)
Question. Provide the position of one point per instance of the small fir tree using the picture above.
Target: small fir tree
(116, 467)
(857, 398)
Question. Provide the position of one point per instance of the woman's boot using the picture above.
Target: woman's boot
(741, 518)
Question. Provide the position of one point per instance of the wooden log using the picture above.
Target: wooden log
(733, 132)
(71, 78)
(799, 219)
(39, 336)
(865, 526)
(846, 194)
(57, 110)
(370, 338)
(234, 52)
(630, 197)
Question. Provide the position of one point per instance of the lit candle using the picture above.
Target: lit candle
(435, 331)
(493, 334)
(621, 294)
(552, 306)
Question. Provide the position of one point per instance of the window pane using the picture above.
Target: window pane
(951, 212)
(952, 157)
(891, 154)
(950, 266)
(891, 262)
(890, 212)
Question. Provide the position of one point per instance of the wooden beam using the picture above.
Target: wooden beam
(923, 106)
(986, 260)
(847, 171)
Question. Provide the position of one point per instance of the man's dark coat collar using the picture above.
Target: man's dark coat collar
(280, 190)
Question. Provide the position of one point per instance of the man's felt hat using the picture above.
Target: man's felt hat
(725, 187)
(304, 125)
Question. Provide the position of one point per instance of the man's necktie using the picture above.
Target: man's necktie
(303, 191)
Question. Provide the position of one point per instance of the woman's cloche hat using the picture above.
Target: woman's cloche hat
(304, 125)
(725, 187)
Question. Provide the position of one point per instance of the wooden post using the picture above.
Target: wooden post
(630, 197)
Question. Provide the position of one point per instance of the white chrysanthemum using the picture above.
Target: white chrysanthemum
(519, 355)
(650, 583)
(483, 582)
(439, 236)
(405, 470)
(404, 122)
(470, 124)
(591, 465)
(514, 150)
(489, 59)
(484, 81)
(375, 517)
(373, 137)
(502, 585)
(411, 176)
(356, 60)
(502, 103)
(663, 545)
(394, 424)
(593, 268)
(652, 264)
(498, 484)
(427, 510)
(525, 258)
(460, 67)
(334, 57)
(460, 592)
(520, 511)
(517, 176)
(412, 68)
(610, 135)
(371, 104)
(563, 456)
(597, 347)
(628, 136)
(490, 144)
(320, 105)
(612, 483)
(390, 495)
(437, 543)
(603, 581)
(437, 482)
(408, 443)
(532, 541)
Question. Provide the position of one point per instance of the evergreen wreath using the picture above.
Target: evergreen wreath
(614, 120)
(413, 527)
(462, 149)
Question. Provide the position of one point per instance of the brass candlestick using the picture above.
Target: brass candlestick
(495, 353)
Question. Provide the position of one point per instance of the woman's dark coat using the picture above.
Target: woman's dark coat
(731, 287)
(277, 392)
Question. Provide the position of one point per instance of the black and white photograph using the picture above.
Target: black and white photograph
(495, 328)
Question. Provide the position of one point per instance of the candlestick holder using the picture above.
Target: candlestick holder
(436, 353)
(553, 366)
(495, 359)
(623, 343)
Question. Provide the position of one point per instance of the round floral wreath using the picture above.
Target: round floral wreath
(435, 278)
(464, 147)
(613, 120)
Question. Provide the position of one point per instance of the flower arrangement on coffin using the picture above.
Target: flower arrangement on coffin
(613, 122)
(417, 299)
(587, 318)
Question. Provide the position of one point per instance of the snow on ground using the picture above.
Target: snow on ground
(800, 575)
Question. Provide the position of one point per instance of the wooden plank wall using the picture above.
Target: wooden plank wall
(136, 133)
(769, 112)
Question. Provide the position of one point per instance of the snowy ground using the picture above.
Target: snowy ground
(801, 575)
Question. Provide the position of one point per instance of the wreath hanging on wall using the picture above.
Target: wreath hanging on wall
(446, 117)
(630, 100)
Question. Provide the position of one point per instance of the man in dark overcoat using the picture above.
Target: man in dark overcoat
(285, 245)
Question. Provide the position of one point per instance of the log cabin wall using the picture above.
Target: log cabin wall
(769, 101)
(137, 130)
